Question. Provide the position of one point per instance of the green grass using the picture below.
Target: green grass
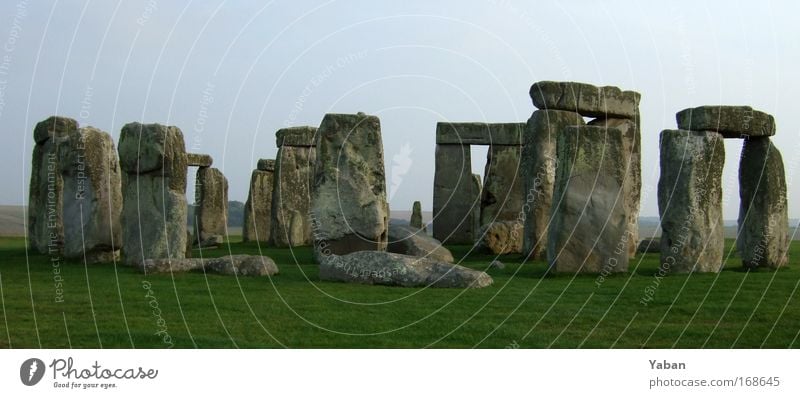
(106, 306)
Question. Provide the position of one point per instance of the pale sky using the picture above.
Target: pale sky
(231, 73)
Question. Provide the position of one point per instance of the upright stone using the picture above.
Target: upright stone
(475, 214)
(153, 160)
(454, 195)
(257, 218)
(92, 202)
(212, 206)
(763, 239)
(501, 198)
(45, 225)
(291, 192)
(539, 166)
(690, 201)
(416, 216)
(348, 202)
(588, 233)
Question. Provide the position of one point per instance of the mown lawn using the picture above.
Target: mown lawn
(114, 306)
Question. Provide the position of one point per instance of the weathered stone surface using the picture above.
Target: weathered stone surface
(92, 201)
(632, 150)
(649, 245)
(391, 269)
(54, 127)
(730, 121)
(153, 161)
(258, 207)
(455, 197)
(690, 201)
(588, 233)
(539, 166)
(502, 193)
(296, 136)
(291, 196)
(586, 99)
(211, 214)
(266, 165)
(501, 237)
(475, 214)
(763, 239)
(497, 264)
(474, 133)
(198, 160)
(239, 265)
(416, 216)
(348, 201)
(45, 193)
(415, 242)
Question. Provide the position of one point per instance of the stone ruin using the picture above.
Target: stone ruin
(690, 190)
(460, 205)
(258, 207)
(211, 213)
(291, 192)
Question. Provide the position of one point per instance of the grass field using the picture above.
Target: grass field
(107, 306)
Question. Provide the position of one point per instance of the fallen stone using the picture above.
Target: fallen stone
(763, 238)
(649, 245)
(497, 264)
(198, 160)
(501, 237)
(349, 204)
(690, 201)
(238, 265)
(211, 213)
(730, 121)
(391, 269)
(414, 242)
(588, 233)
(586, 99)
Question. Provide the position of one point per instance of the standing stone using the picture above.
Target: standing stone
(416, 216)
(501, 198)
(212, 207)
(153, 160)
(257, 218)
(588, 233)
(454, 195)
(730, 121)
(631, 133)
(92, 202)
(690, 201)
(500, 237)
(291, 192)
(586, 99)
(539, 165)
(45, 226)
(763, 239)
(349, 196)
(475, 215)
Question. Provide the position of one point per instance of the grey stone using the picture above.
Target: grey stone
(539, 166)
(349, 204)
(416, 216)
(258, 207)
(586, 99)
(291, 196)
(474, 133)
(391, 269)
(501, 237)
(690, 201)
(631, 133)
(414, 242)
(92, 201)
(588, 233)
(266, 165)
(153, 161)
(455, 197)
(497, 264)
(649, 245)
(235, 265)
(198, 160)
(763, 239)
(730, 121)
(167, 265)
(502, 193)
(211, 214)
(54, 127)
(475, 214)
(302, 136)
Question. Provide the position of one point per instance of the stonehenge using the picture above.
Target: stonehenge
(412, 241)
(501, 237)
(211, 213)
(416, 216)
(258, 207)
(291, 193)
(348, 200)
(153, 160)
